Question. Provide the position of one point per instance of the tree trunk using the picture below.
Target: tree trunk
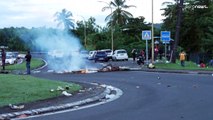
(177, 32)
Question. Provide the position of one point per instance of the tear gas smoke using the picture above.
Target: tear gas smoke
(63, 49)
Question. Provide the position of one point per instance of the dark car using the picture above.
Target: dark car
(101, 56)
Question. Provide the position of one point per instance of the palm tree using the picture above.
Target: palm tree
(118, 16)
(170, 12)
(63, 17)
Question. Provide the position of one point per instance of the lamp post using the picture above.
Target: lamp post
(85, 35)
(152, 36)
(112, 39)
(85, 32)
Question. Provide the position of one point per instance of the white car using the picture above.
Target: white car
(120, 54)
(10, 60)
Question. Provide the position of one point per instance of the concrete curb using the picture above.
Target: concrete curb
(172, 71)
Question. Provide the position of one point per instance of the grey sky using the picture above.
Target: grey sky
(39, 13)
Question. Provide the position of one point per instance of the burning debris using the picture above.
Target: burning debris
(106, 68)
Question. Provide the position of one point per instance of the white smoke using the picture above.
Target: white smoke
(63, 49)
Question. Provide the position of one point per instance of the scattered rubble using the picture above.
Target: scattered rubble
(16, 107)
(66, 93)
(22, 116)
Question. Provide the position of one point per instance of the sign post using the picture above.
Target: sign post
(165, 38)
(146, 35)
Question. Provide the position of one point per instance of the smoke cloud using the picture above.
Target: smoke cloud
(63, 49)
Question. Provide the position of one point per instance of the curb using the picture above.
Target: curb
(172, 71)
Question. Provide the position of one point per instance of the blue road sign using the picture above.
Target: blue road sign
(146, 35)
(165, 36)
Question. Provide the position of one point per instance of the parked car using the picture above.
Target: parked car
(120, 54)
(109, 53)
(10, 60)
(101, 56)
(91, 55)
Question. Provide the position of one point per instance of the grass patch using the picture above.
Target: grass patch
(35, 63)
(16, 89)
(176, 66)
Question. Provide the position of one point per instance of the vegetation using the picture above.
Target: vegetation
(63, 17)
(119, 16)
(16, 89)
(196, 32)
(189, 65)
(35, 63)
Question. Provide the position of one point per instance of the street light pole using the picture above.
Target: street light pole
(152, 36)
(85, 32)
(112, 33)
(85, 35)
(112, 38)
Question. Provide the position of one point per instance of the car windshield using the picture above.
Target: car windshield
(100, 52)
(121, 51)
(9, 57)
(108, 51)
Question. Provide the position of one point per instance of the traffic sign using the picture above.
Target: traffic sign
(165, 36)
(146, 35)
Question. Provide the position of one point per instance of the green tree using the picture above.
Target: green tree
(196, 34)
(119, 16)
(64, 17)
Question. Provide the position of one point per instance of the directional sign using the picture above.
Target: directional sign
(165, 36)
(146, 35)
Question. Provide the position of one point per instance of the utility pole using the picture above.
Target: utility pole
(152, 36)
(112, 38)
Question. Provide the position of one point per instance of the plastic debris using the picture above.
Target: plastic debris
(151, 66)
(159, 83)
(66, 93)
(16, 107)
(81, 90)
(137, 87)
(52, 90)
(50, 71)
(60, 88)
(109, 96)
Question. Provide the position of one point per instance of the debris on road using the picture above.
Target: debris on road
(110, 67)
(66, 93)
(22, 116)
(60, 88)
(16, 107)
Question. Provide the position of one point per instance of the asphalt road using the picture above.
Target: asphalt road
(145, 96)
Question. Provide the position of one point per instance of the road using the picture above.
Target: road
(146, 96)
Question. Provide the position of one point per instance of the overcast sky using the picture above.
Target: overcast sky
(39, 13)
